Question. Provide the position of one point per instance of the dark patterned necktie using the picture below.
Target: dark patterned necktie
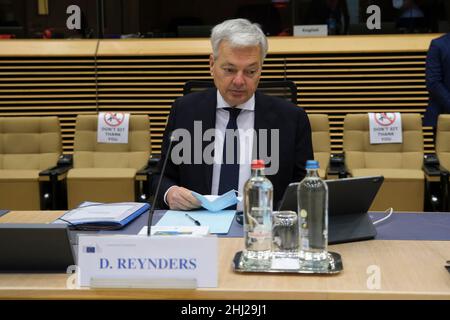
(229, 172)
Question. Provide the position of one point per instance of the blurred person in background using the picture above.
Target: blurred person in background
(438, 79)
(333, 13)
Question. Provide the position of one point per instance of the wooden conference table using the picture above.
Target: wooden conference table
(408, 270)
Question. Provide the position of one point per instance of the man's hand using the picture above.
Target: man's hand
(179, 198)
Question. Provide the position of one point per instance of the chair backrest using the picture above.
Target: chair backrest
(88, 153)
(29, 143)
(320, 129)
(359, 153)
(285, 89)
(443, 140)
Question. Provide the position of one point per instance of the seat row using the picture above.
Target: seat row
(34, 174)
(413, 181)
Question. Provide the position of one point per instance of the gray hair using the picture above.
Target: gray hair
(239, 33)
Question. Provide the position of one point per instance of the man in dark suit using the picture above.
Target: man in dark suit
(438, 79)
(201, 122)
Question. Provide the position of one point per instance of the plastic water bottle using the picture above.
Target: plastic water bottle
(258, 204)
(312, 196)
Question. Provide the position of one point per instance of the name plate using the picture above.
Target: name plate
(135, 261)
(311, 30)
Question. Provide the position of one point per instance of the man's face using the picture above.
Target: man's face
(236, 72)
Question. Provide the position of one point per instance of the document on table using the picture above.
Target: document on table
(218, 222)
(3, 212)
(176, 231)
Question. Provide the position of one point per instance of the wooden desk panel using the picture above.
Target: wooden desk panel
(31, 216)
(409, 270)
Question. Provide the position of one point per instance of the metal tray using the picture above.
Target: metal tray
(334, 266)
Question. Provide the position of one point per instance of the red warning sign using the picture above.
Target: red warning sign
(114, 119)
(385, 118)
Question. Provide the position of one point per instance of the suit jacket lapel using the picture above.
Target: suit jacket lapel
(265, 118)
(206, 111)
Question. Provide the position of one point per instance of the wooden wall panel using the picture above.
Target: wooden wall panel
(334, 75)
(63, 87)
(44, 78)
(356, 83)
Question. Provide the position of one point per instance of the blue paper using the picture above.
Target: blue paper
(217, 203)
(218, 222)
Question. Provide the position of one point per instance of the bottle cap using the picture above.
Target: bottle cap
(312, 164)
(258, 164)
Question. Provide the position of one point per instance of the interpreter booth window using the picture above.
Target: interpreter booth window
(122, 19)
(350, 17)
(47, 19)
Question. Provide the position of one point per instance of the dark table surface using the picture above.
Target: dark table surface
(400, 226)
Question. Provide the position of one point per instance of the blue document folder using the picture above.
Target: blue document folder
(3, 212)
(218, 222)
(98, 216)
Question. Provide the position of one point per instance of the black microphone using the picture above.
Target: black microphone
(155, 200)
